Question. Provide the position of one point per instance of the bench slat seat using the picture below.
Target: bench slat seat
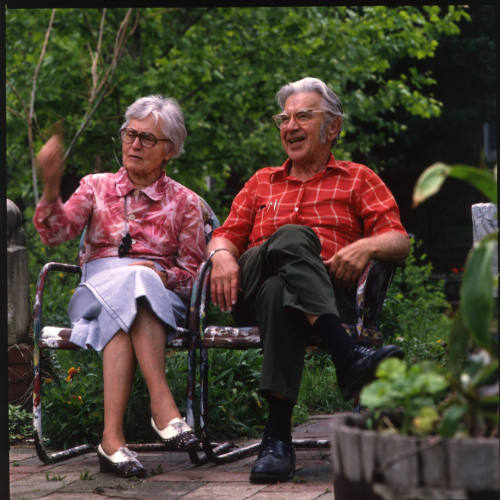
(55, 337)
(231, 337)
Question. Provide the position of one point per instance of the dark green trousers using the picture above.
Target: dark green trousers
(281, 280)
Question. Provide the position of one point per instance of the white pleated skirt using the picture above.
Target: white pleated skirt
(105, 301)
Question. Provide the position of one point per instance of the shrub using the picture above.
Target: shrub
(20, 424)
(416, 313)
(319, 392)
(73, 398)
(60, 286)
(235, 406)
(72, 401)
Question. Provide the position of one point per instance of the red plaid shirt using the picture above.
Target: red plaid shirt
(343, 203)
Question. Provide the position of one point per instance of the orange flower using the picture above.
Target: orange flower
(71, 373)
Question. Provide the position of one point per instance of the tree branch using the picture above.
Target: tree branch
(100, 90)
(32, 105)
(95, 58)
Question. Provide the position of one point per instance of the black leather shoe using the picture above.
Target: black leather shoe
(276, 462)
(361, 369)
(123, 462)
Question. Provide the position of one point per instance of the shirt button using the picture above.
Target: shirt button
(296, 209)
(131, 217)
(134, 242)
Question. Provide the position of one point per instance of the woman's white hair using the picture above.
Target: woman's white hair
(167, 112)
(331, 102)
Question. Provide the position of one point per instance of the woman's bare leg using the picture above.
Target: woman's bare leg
(148, 339)
(119, 366)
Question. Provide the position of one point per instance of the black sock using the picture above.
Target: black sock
(338, 342)
(279, 421)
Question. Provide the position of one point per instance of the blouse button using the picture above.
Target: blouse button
(296, 209)
(131, 217)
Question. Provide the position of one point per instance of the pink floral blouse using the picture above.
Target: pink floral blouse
(164, 220)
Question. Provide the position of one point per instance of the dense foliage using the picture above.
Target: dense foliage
(415, 313)
(224, 65)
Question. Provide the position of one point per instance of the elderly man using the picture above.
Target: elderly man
(295, 235)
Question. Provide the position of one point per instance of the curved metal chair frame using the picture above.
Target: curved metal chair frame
(53, 337)
(369, 297)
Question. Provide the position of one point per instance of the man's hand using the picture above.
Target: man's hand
(146, 263)
(348, 263)
(224, 280)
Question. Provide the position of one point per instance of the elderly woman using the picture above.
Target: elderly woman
(143, 244)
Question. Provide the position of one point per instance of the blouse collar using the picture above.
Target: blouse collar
(155, 191)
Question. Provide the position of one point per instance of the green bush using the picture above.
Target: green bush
(319, 392)
(59, 286)
(20, 424)
(416, 313)
(235, 406)
(72, 399)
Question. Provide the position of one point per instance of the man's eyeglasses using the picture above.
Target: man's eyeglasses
(301, 117)
(128, 136)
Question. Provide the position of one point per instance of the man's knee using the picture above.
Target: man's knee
(294, 237)
(270, 293)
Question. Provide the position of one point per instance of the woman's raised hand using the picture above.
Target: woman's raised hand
(51, 166)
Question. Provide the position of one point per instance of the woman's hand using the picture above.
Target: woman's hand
(146, 263)
(51, 166)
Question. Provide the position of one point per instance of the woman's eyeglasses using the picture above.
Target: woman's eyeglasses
(147, 140)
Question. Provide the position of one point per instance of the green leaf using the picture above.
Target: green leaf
(451, 420)
(425, 419)
(391, 368)
(378, 394)
(477, 292)
(429, 182)
(431, 382)
(457, 344)
(481, 179)
(432, 178)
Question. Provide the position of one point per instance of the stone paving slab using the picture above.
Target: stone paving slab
(225, 491)
(172, 476)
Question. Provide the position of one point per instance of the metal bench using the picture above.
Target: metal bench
(196, 336)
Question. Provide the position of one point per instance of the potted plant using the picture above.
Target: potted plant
(431, 431)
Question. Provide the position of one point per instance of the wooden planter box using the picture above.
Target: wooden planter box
(370, 465)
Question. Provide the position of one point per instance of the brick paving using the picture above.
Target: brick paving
(171, 475)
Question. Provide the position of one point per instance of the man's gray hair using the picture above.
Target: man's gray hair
(167, 112)
(331, 102)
